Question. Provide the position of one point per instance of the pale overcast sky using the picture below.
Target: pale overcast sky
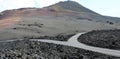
(104, 7)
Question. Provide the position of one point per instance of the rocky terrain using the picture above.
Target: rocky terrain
(102, 38)
(26, 49)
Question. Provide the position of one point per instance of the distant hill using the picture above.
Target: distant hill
(66, 17)
(84, 12)
(74, 6)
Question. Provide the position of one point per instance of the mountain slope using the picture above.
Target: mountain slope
(74, 6)
(56, 19)
(84, 13)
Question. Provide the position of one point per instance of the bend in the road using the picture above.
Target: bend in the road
(74, 43)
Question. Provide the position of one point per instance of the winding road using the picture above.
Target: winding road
(74, 43)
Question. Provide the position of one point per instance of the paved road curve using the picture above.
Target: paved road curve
(74, 43)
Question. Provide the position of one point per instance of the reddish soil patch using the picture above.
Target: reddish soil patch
(4, 23)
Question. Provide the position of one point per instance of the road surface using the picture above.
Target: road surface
(73, 41)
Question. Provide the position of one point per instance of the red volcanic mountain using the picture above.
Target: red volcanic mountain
(63, 17)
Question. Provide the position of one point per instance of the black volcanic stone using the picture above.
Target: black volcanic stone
(102, 38)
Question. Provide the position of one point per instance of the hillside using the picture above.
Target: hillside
(67, 17)
(72, 5)
(84, 12)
